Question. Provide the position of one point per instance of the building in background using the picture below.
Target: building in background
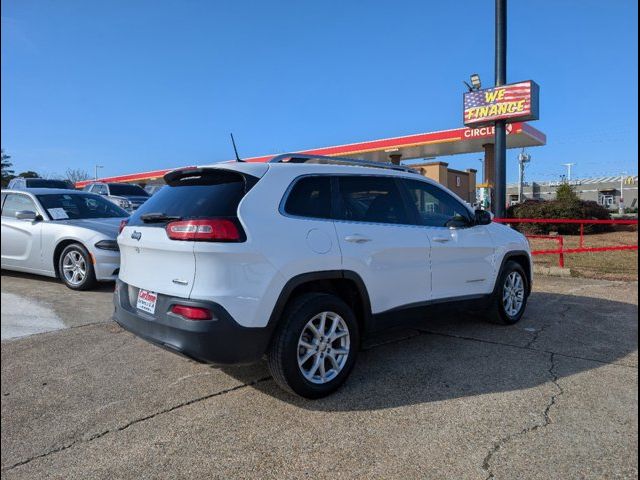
(604, 190)
(463, 183)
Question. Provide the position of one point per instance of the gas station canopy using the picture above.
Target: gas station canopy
(421, 145)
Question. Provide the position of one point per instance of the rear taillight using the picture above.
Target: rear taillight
(123, 223)
(191, 313)
(210, 230)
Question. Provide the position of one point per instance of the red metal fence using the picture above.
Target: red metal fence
(561, 251)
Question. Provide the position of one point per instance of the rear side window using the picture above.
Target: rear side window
(44, 183)
(210, 195)
(310, 197)
(371, 199)
(124, 189)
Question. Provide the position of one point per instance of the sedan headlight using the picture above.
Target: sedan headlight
(107, 245)
(122, 203)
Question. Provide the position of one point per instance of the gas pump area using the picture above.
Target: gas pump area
(420, 151)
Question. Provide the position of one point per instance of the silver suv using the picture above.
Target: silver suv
(125, 195)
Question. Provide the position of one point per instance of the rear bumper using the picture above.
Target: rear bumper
(220, 341)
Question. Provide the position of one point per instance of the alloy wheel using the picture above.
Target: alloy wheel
(74, 267)
(323, 347)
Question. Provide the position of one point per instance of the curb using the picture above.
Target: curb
(552, 271)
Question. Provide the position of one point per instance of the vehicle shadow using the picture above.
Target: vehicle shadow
(457, 354)
(100, 287)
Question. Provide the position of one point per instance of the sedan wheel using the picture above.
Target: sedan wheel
(75, 268)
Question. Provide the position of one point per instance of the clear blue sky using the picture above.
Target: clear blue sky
(138, 85)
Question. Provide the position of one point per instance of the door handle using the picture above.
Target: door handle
(441, 239)
(356, 239)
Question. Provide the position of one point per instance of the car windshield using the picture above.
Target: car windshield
(130, 190)
(62, 206)
(44, 183)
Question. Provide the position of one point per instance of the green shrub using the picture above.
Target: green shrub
(567, 207)
(566, 193)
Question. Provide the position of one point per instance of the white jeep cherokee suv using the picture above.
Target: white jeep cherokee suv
(298, 258)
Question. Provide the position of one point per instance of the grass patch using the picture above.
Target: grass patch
(616, 265)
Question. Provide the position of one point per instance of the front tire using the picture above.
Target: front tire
(75, 268)
(315, 348)
(510, 299)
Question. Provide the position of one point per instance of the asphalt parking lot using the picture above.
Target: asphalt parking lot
(454, 397)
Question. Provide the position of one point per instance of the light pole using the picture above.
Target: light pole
(500, 139)
(95, 176)
(621, 204)
(523, 159)
(568, 165)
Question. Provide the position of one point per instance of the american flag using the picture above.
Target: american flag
(512, 93)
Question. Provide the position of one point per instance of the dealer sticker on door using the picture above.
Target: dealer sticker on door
(147, 301)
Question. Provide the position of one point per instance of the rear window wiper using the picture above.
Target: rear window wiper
(158, 218)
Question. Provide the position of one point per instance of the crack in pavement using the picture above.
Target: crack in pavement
(133, 422)
(524, 347)
(562, 314)
(497, 446)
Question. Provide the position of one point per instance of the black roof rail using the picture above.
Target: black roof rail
(322, 159)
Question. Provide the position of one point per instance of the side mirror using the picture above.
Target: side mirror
(27, 215)
(482, 217)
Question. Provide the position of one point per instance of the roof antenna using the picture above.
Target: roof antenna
(233, 142)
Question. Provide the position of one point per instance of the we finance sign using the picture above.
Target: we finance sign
(517, 102)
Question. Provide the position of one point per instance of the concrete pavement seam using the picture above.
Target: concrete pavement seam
(524, 347)
(133, 422)
(486, 464)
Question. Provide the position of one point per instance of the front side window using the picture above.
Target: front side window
(14, 202)
(370, 199)
(79, 205)
(435, 207)
(310, 197)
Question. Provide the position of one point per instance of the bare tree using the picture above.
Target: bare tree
(76, 175)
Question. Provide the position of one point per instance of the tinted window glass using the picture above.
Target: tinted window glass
(15, 202)
(124, 189)
(215, 195)
(44, 183)
(436, 208)
(61, 206)
(100, 189)
(370, 199)
(310, 197)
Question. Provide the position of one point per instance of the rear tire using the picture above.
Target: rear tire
(510, 298)
(315, 347)
(75, 268)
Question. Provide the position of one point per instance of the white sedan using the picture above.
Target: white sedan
(61, 233)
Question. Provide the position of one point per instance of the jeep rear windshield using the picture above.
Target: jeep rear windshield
(212, 194)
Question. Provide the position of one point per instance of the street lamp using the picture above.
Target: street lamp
(475, 81)
(95, 176)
